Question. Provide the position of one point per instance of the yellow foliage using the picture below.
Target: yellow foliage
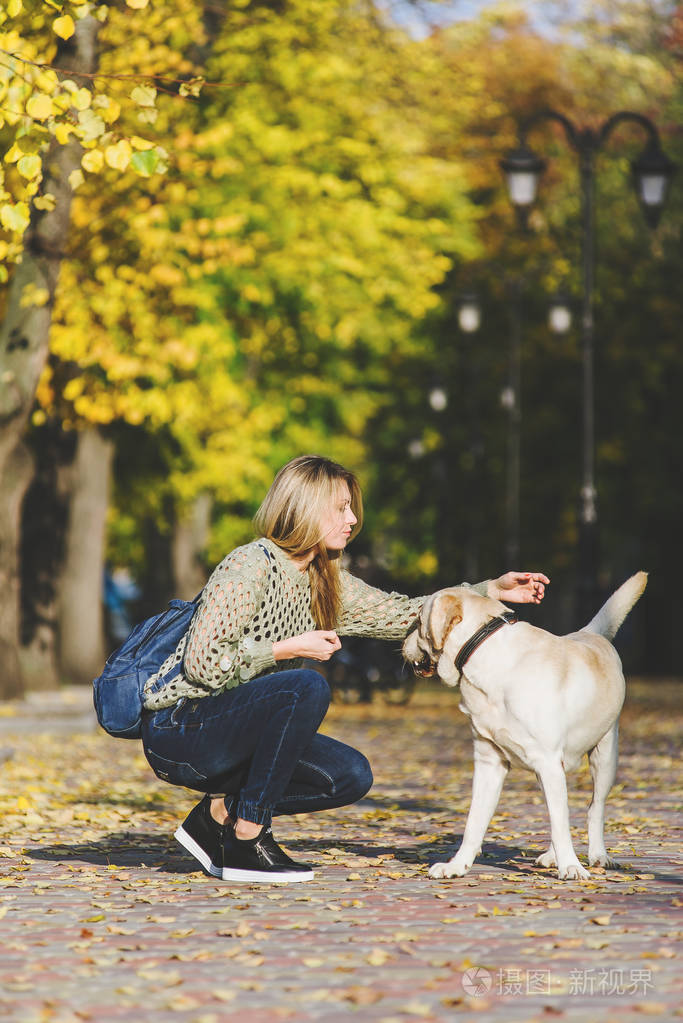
(108, 109)
(33, 296)
(40, 107)
(64, 26)
(91, 125)
(29, 166)
(14, 217)
(76, 179)
(13, 154)
(167, 275)
(118, 156)
(144, 95)
(92, 161)
(81, 99)
(62, 132)
(28, 87)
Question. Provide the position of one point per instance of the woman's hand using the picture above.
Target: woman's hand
(318, 646)
(519, 587)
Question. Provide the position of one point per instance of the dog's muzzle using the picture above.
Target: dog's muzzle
(425, 667)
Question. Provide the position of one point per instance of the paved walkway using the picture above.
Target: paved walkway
(104, 917)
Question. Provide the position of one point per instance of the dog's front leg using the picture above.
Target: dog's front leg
(554, 783)
(603, 763)
(490, 769)
(548, 858)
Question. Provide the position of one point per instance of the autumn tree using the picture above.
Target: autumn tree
(243, 309)
(57, 121)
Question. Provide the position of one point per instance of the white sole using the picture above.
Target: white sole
(196, 850)
(261, 877)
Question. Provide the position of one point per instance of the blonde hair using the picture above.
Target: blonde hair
(291, 516)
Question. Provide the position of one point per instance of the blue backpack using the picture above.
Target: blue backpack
(117, 692)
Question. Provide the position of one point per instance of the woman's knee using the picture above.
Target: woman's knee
(359, 777)
(312, 687)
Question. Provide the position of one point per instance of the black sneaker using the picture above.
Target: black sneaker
(202, 836)
(260, 859)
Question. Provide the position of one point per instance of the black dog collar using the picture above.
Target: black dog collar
(466, 651)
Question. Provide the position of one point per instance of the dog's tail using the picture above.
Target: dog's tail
(610, 616)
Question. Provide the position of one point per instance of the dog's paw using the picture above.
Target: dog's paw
(450, 869)
(573, 872)
(603, 861)
(547, 859)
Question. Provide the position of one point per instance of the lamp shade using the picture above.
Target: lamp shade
(560, 313)
(652, 172)
(522, 169)
(469, 314)
(438, 399)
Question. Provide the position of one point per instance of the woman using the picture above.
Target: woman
(254, 748)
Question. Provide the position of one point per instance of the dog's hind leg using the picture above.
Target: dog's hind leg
(603, 764)
(490, 770)
(552, 778)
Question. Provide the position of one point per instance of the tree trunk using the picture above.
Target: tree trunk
(43, 529)
(24, 337)
(189, 542)
(81, 619)
(158, 584)
(15, 474)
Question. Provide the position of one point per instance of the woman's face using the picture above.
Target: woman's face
(338, 520)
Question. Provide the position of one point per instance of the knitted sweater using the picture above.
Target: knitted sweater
(255, 597)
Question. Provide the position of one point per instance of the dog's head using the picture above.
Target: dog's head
(447, 620)
(424, 646)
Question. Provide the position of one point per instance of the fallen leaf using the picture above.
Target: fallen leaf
(416, 1008)
(666, 952)
(361, 995)
(182, 1003)
(169, 978)
(223, 994)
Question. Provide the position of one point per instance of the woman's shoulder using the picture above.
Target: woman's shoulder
(248, 557)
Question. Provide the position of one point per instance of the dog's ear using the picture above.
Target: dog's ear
(446, 611)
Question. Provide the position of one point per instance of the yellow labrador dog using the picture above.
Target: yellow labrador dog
(533, 699)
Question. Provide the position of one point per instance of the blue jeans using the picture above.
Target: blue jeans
(258, 744)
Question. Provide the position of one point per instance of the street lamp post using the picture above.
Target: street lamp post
(559, 321)
(511, 399)
(469, 322)
(652, 171)
(468, 314)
